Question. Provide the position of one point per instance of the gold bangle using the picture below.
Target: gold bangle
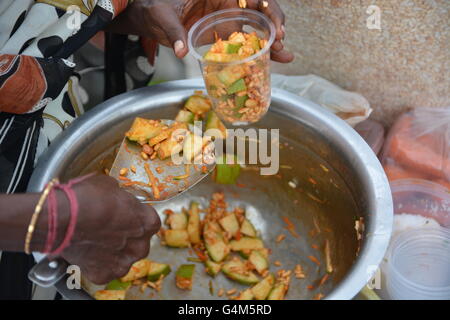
(36, 213)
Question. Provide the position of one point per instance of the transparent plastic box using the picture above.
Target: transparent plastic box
(247, 101)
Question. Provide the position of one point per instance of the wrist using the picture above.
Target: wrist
(40, 235)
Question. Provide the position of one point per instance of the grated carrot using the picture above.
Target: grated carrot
(153, 181)
(324, 279)
(314, 259)
(290, 227)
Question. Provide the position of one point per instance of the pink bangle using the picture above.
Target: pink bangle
(53, 216)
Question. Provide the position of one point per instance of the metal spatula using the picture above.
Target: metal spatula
(137, 183)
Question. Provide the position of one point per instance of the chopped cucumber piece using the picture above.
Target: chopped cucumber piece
(230, 224)
(278, 292)
(118, 285)
(254, 40)
(185, 116)
(258, 260)
(184, 276)
(177, 221)
(166, 133)
(169, 147)
(110, 295)
(237, 86)
(263, 288)
(231, 47)
(246, 243)
(214, 242)
(198, 104)
(213, 122)
(193, 226)
(226, 173)
(176, 238)
(246, 253)
(247, 294)
(221, 57)
(186, 271)
(192, 146)
(237, 37)
(212, 268)
(156, 270)
(236, 270)
(143, 129)
(231, 74)
(138, 270)
(248, 229)
(239, 101)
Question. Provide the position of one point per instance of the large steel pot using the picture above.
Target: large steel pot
(349, 183)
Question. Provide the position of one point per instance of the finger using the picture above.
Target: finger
(282, 56)
(272, 10)
(173, 28)
(136, 249)
(277, 46)
(150, 219)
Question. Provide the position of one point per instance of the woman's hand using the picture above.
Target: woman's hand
(113, 230)
(167, 21)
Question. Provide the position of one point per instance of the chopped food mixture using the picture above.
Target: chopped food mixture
(240, 90)
(224, 241)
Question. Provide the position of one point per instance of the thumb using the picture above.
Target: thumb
(175, 32)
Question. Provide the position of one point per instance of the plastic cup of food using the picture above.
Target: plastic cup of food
(233, 49)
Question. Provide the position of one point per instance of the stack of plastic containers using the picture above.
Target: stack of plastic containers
(416, 158)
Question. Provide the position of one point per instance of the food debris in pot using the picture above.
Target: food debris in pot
(224, 241)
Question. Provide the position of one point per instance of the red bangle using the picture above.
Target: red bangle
(53, 216)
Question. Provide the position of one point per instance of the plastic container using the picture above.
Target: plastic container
(373, 133)
(421, 197)
(418, 147)
(254, 70)
(418, 265)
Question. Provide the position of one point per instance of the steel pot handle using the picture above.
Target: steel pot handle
(46, 273)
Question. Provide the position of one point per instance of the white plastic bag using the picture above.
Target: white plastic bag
(349, 106)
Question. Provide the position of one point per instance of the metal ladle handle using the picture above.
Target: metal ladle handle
(46, 273)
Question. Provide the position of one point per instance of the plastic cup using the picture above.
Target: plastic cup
(254, 70)
(418, 266)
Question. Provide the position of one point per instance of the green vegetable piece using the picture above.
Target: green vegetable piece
(278, 292)
(230, 224)
(176, 238)
(237, 86)
(156, 270)
(193, 226)
(248, 229)
(185, 116)
(212, 268)
(186, 271)
(213, 122)
(258, 260)
(247, 294)
(198, 104)
(214, 242)
(263, 288)
(225, 173)
(232, 47)
(246, 243)
(239, 101)
(236, 270)
(177, 221)
(220, 57)
(118, 285)
(231, 74)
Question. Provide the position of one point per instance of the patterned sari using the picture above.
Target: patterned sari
(39, 91)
